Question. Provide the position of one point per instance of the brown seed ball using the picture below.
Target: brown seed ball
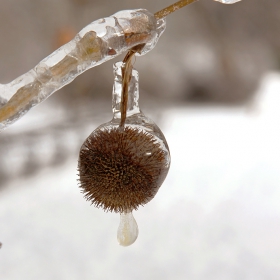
(121, 169)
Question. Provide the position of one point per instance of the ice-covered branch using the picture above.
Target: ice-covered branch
(98, 42)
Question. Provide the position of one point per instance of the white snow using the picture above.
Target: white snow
(217, 216)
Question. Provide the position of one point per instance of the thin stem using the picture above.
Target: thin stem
(172, 8)
(126, 77)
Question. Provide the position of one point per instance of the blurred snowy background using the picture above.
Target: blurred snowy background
(213, 86)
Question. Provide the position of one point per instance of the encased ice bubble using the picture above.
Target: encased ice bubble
(122, 167)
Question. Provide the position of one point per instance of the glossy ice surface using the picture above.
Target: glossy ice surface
(98, 42)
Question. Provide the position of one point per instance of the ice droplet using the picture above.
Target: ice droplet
(128, 229)
(228, 1)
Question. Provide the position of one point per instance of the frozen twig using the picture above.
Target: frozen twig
(98, 42)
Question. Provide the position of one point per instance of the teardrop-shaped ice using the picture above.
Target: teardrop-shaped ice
(128, 229)
(228, 1)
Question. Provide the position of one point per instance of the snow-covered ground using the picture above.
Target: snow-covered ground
(217, 215)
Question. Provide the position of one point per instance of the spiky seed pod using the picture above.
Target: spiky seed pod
(121, 168)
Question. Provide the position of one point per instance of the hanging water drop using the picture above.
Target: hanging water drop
(128, 229)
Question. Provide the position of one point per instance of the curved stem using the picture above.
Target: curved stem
(172, 8)
(126, 77)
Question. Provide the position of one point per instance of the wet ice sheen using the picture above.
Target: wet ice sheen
(98, 42)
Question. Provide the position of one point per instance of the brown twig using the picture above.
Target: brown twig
(127, 67)
(126, 77)
(172, 8)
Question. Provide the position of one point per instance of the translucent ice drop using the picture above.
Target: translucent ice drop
(228, 1)
(98, 42)
(128, 229)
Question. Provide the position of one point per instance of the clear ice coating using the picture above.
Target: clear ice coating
(123, 167)
(128, 229)
(228, 1)
(141, 137)
(135, 117)
(98, 42)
